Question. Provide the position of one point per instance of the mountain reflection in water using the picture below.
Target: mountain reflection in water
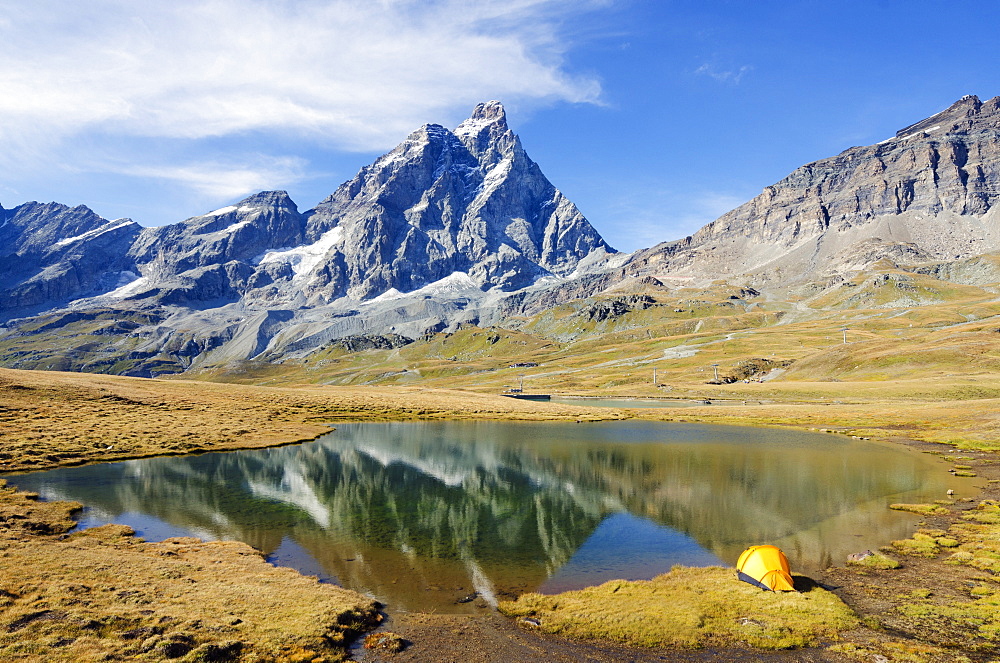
(420, 514)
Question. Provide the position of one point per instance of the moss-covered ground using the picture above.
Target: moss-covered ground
(103, 594)
(690, 608)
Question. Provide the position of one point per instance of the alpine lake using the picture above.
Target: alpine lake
(451, 516)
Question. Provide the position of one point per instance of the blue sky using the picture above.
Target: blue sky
(654, 117)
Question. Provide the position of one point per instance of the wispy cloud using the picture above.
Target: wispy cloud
(215, 179)
(732, 75)
(350, 72)
(347, 74)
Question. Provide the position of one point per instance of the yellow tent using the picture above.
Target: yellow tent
(765, 567)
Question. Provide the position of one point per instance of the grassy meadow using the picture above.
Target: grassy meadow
(892, 356)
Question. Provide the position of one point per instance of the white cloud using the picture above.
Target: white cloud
(724, 75)
(179, 92)
(355, 74)
(224, 180)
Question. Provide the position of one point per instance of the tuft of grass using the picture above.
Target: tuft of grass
(924, 544)
(689, 608)
(920, 509)
(876, 561)
(987, 513)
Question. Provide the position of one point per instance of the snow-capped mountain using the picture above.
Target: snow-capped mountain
(455, 227)
(413, 243)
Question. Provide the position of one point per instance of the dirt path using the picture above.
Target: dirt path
(496, 639)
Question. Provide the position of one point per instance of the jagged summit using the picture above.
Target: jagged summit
(960, 116)
(486, 134)
(487, 114)
(488, 110)
(441, 202)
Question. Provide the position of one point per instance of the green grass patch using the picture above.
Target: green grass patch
(982, 614)
(919, 545)
(690, 608)
(921, 509)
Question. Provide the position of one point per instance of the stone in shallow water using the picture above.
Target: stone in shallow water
(386, 641)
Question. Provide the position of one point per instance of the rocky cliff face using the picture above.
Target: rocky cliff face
(468, 201)
(929, 192)
(50, 254)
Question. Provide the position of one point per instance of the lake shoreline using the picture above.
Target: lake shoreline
(70, 419)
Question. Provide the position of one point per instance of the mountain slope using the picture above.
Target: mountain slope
(928, 193)
(50, 254)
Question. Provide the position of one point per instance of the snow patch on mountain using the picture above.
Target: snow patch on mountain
(304, 259)
(129, 283)
(456, 283)
(114, 225)
(227, 210)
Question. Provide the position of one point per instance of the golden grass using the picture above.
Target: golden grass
(689, 608)
(51, 419)
(103, 594)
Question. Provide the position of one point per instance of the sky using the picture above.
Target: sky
(653, 116)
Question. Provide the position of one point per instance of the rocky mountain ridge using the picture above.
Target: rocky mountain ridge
(927, 194)
(460, 227)
(52, 254)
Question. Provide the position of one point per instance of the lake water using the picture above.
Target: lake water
(588, 401)
(419, 515)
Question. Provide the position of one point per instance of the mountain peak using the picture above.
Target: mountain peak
(487, 115)
(489, 111)
(486, 134)
(277, 198)
(955, 116)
